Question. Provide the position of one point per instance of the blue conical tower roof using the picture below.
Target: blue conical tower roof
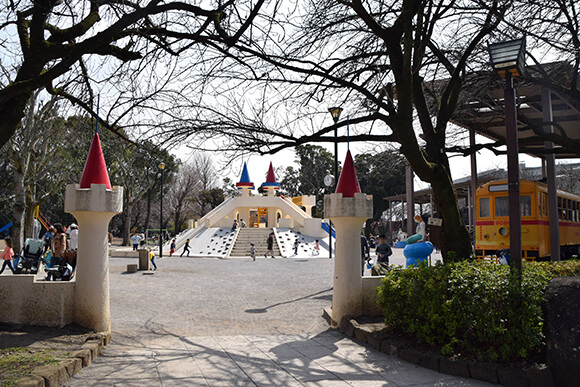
(245, 179)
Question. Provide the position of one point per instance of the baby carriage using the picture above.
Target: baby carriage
(62, 268)
(29, 260)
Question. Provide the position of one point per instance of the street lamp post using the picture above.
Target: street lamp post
(162, 168)
(507, 59)
(335, 112)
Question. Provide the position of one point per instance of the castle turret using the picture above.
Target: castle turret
(271, 185)
(245, 185)
(93, 203)
(348, 209)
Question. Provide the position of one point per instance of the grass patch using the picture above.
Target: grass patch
(18, 362)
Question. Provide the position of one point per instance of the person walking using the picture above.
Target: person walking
(7, 255)
(172, 248)
(47, 238)
(365, 252)
(74, 236)
(185, 248)
(270, 243)
(296, 244)
(135, 238)
(253, 251)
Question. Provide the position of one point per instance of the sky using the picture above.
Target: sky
(258, 165)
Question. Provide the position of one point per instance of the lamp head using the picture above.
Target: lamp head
(162, 166)
(508, 57)
(335, 112)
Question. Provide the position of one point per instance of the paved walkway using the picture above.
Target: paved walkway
(210, 322)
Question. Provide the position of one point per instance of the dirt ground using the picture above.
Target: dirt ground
(24, 347)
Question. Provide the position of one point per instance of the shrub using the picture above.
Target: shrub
(471, 308)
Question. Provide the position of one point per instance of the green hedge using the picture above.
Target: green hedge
(471, 309)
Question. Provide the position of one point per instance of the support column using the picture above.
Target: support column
(551, 178)
(473, 159)
(410, 200)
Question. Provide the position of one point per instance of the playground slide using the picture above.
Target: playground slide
(325, 227)
(6, 228)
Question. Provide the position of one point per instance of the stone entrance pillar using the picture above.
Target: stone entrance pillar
(93, 208)
(348, 215)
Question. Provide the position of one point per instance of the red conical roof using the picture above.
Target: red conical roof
(271, 178)
(95, 171)
(348, 182)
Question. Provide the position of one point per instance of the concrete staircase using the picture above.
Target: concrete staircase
(258, 237)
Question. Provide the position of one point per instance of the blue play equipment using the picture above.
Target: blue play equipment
(5, 229)
(417, 252)
(400, 244)
(325, 227)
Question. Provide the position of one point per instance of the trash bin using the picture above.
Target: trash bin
(143, 259)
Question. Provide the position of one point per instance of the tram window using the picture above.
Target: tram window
(545, 204)
(502, 206)
(526, 205)
(484, 208)
(560, 208)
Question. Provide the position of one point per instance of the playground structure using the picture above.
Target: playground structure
(85, 300)
(214, 237)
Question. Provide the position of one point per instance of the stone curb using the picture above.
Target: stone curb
(537, 375)
(54, 376)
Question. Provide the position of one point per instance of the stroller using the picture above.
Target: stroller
(62, 268)
(29, 260)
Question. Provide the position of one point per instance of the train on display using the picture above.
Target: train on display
(492, 220)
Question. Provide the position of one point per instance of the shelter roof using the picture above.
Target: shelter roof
(480, 107)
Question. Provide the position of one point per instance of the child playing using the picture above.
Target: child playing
(7, 255)
(296, 244)
(252, 251)
(172, 248)
(316, 249)
(152, 259)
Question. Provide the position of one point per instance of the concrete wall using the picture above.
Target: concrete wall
(312, 227)
(45, 303)
(370, 297)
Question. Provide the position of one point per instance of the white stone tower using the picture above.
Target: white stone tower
(348, 209)
(93, 203)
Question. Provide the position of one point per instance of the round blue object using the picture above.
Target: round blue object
(417, 252)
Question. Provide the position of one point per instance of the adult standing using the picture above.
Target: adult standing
(185, 248)
(74, 236)
(135, 238)
(47, 238)
(270, 243)
(365, 252)
(58, 245)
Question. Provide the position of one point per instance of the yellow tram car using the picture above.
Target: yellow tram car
(492, 220)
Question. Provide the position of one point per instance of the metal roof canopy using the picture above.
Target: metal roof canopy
(481, 108)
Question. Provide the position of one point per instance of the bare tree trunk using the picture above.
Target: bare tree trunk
(29, 221)
(148, 210)
(127, 223)
(19, 209)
